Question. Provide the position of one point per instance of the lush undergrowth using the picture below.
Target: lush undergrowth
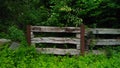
(26, 57)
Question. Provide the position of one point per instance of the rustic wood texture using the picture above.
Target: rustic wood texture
(98, 52)
(55, 29)
(82, 40)
(107, 41)
(58, 51)
(105, 31)
(57, 40)
(79, 40)
(29, 34)
(4, 41)
(77, 35)
(74, 30)
(32, 35)
(78, 46)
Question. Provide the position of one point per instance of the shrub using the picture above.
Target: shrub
(15, 34)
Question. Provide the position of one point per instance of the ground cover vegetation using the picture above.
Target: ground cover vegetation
(26, 57)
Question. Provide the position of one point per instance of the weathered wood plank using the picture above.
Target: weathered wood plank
(57, 40)
(3, 41)
(32, 35)
(77, 35)
(55, 29)
(78, 46)
(58, 51)
(82, 40)
(96, 52)
(74, 30)
(107, 41)
(105, 31)
(29, 34)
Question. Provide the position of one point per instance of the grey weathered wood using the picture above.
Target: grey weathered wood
(77, 35)
(58, 51)
(98, 52)
(57, 40)
(55, 29)
(3, 41)
(107, 41)
(32, 35)
(78, 46)
(74, 30)
(105, 31)
(76, 41)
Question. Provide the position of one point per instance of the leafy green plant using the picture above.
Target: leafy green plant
(15, 34)
(27, 57)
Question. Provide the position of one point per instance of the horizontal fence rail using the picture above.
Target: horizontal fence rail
(55, 29)
(105, 31)
(74, 30)
(58, 51)
(56, 40)
(107, 41)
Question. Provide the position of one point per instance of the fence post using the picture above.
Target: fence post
(29, 34)
(82, 41)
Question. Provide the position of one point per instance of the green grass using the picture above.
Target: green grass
(26, 57)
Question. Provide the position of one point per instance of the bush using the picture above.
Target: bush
(15, 34)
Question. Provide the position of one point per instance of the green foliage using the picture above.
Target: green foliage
(28, 58)
(15, 34)
(39, 12)
(103, 13)
(3, 35)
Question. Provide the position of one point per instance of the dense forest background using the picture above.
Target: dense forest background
(93, 13)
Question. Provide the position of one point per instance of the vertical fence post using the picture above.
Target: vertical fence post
(82, 41)
(29, 34)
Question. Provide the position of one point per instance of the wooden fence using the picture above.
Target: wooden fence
(58, 40)
(106, 32)
(78, 40)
